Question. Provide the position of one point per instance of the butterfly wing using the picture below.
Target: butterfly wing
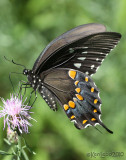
(77, 94)
(85, 53)
(90, 52)
(64, 40)
(64, 68)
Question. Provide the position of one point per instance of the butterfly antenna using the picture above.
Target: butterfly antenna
(11, 82)
(15, 62)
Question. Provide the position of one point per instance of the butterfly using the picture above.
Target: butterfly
(62, 72)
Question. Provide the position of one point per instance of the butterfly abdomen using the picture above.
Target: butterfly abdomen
(48, 97)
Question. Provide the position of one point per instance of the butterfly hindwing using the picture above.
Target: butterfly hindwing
(78, 95)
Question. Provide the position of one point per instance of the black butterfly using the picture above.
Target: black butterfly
(63, 72)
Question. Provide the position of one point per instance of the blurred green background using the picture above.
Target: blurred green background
(26, 27)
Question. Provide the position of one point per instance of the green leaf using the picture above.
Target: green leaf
(27, 146)
(7, 141)
(5, 153)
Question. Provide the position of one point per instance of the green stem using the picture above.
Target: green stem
(19, 147)
(24, 154)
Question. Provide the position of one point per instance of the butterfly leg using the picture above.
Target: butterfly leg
(34, 99)
(24, 85)
(31, 96)
(11, 81)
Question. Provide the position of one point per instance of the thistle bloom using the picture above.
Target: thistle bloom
(16, 114)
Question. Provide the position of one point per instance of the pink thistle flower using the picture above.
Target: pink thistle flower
(16, 114)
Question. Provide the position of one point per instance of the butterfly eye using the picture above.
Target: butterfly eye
(25, 71)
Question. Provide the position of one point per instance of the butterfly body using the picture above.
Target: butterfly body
(62, 72)
(36, 82)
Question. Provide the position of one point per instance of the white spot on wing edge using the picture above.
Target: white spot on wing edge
(74, 99)
(92, 66)
(73, 120)
(100, 117)
(78, 65)
(87, 125)
(81, 58)
(85, 52)
(87, 72)
(96, 124)
(100, 107)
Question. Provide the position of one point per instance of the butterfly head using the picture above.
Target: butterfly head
(30, 74)
(33, 79)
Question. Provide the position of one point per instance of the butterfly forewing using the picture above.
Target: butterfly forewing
(91, 51)
(85, 55)
(64, 40)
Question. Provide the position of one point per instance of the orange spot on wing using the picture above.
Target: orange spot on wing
(72, 117)
(78, 90)
(84, 121)
(93, 119)
(79, 97)
(71, 104)
(72, 74)
(66, 107)
(76, 82)
(95, 110)
(95, 101)
(92, 89)
(86, 79)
